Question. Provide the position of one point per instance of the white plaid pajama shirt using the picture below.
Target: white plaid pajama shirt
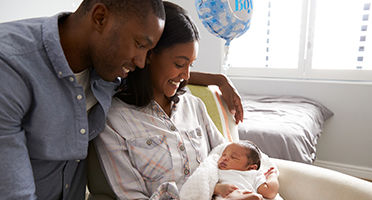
(141, 148)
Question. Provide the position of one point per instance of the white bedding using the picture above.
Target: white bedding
(285, 127)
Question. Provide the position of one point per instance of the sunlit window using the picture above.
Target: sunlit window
(273, 38)
(341, 35)
(306, 39)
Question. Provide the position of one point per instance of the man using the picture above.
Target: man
(56, 70)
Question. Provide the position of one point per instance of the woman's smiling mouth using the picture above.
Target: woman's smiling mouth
(175, 83)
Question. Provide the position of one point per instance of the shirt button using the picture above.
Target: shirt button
(60, 73)
(186, 171)
(77, 160)
(182, 148)
(148, 142)
(79, 97)
(198, 132)
(66, 186)
(82, 131)
(71, 79)
(173, 128)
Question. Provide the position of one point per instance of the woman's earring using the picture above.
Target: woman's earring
(147, 61)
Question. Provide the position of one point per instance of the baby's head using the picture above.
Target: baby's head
(240, 155)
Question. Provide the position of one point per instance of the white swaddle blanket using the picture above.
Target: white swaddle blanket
(200, 185)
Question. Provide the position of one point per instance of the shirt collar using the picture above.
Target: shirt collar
(160, 112)
(51, 41)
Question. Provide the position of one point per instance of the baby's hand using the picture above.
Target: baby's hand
(272, 170)
(224, 189)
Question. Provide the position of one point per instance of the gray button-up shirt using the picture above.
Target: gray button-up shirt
(44, 129)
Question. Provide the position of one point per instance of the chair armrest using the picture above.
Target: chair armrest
(299, 181)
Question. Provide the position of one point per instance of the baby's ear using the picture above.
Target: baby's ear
(252, 167)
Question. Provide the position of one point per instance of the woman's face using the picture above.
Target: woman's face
(170, 67)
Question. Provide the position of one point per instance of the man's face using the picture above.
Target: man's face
(123, 47)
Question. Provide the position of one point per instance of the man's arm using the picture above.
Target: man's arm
(229, 92)
(16, 176)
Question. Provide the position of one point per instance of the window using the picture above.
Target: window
(310, 39)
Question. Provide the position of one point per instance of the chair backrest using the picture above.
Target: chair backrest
(217, 109)
(97, 183)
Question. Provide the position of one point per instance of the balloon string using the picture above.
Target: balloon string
(226, 64)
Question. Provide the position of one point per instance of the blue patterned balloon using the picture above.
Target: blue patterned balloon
(227, 19)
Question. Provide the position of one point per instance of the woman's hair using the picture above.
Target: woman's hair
(253, 152)
(179, 28)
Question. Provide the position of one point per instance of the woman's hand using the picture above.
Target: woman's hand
(243, 195)
(224, 189)
(227, 88)
(232, 98)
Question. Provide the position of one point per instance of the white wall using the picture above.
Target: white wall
(346, 142)
(18, 9)
(210, 46)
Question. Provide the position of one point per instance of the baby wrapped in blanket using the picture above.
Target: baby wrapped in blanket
(231, 166)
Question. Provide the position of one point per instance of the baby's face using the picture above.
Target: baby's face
(233, 157)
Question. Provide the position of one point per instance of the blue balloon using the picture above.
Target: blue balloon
(227, 19)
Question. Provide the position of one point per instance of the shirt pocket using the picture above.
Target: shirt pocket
(197, 141)
(151, 156)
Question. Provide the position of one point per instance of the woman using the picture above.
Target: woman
(155, 135)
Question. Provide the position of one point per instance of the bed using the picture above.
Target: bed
(285, 127)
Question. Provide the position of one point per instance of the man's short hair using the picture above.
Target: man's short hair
(128, 8)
